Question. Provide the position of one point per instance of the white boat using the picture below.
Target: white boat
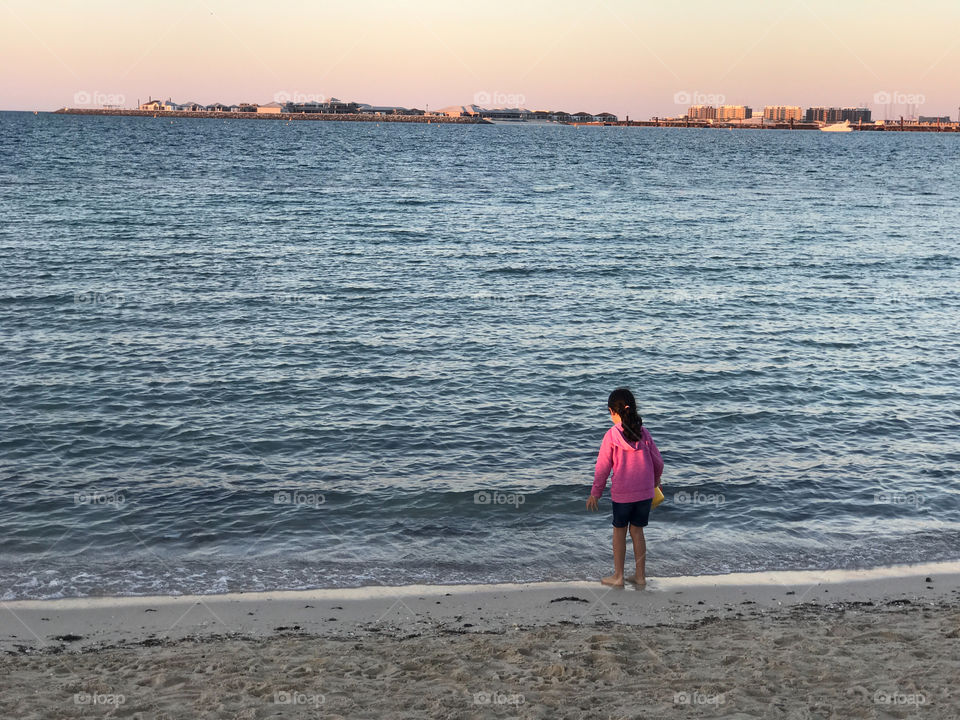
(838, 127)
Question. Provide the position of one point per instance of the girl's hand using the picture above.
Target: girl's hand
(592, 503)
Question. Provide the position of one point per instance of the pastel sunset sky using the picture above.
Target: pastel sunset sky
(629, 58)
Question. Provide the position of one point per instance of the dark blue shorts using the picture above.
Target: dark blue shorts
(633, 513)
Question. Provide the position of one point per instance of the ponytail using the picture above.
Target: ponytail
(622, 402)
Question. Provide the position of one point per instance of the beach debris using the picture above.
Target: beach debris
(858, 691)
(569, 598)
(69, 637)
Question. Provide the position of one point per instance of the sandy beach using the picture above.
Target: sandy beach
(836, 644)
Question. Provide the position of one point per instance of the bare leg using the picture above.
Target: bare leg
(639, 555)
(619, 555)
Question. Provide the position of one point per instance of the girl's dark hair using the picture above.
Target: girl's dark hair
(621, 401)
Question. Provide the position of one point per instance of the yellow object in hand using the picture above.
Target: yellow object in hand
(657, 497)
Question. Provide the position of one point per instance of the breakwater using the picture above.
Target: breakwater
(208, 115)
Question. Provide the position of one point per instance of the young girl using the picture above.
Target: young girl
(630, 451)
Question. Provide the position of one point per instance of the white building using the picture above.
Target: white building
(159, 105)
(273, 108)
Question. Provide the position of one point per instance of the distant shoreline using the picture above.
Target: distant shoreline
(208, 115)
(953, 128)
(693, 124)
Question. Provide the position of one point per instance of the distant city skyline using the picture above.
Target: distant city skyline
(606, 57)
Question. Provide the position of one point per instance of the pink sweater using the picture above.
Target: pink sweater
(636, 466)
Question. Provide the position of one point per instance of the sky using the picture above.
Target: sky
(634, 59)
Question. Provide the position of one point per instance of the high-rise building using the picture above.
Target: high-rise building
(854, 114)
(822, 114)
(782, 113)
(702, 112)
(835, 114)
(734, 112)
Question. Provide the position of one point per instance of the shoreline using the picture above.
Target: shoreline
(371, 592)
(40, 625)
(694, 125)
(469, 120)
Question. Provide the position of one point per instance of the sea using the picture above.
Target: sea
(260, 355)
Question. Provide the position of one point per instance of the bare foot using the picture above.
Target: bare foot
(641, 583)
(613, 580)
